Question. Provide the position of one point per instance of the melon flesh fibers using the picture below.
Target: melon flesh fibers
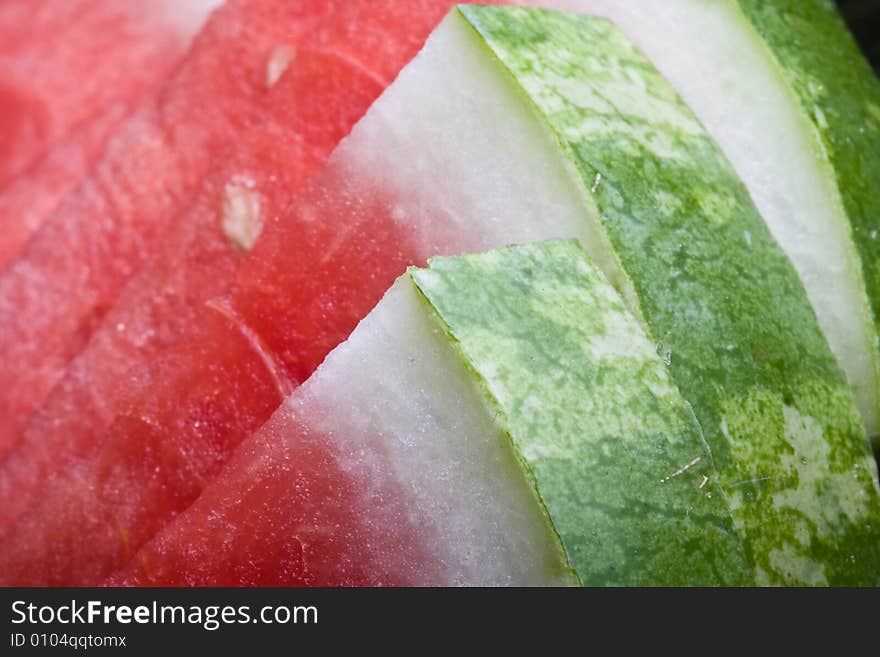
(248, 188)
(497, 419)
(70, 72)
(785, 92)
(56, 293)
(66, 62)
(510, 126)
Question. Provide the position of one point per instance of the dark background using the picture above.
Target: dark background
(863, 17)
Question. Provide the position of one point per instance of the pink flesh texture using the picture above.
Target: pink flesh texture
(161, 402)
(284, 512)
(54, 295)
(28, 199)
(70, 71)
(186, 411)
(166, 299)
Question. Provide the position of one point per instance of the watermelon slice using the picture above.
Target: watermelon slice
(56, 293)
(195, 260)
(783, 88)
(165, 301)
(497, 419)
(473, 147)
(59, 105)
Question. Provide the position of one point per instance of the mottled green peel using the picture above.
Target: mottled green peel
(723, 303)
(839, 96)
(611, 448)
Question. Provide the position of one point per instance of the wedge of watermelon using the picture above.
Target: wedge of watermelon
(55, 294)
(464, 151)
(497, 419)
(164, 302)
(248, 187)
(59, 105)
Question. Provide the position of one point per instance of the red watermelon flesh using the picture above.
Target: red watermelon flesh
(54, 295)
(287, 498)
(65, 63)
(162, 304)
(29, 198)
(186, 411)
(163, 469)
(154, 403)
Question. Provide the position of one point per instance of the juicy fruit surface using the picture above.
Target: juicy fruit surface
(143, 325)
(315, 272)
(160, 306)
(297, 519)
(27, 199)
(198, 426)
(722, 301)
(60, 101)
(55, 294)
(77, 537)
(241, 314)
(48, 86)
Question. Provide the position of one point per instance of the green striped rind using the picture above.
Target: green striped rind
(840, 98)
(603, 434)
(725, 305)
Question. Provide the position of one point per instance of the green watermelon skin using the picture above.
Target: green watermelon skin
(727, 67)
(840, 97)
(613, 452)
(696, 262)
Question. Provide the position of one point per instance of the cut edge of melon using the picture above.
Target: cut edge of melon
(424, 425)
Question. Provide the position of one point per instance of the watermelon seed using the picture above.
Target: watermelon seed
(279, 60)
(241, 221)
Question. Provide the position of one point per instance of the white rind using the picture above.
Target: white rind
(456, 117)
(425, 428)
